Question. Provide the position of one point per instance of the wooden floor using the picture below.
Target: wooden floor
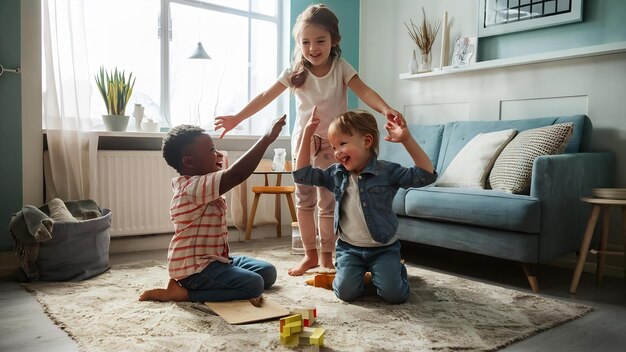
(25, 327)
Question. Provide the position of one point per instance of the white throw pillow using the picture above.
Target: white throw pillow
(470, 167)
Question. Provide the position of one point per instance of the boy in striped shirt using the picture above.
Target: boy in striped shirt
(199, 264)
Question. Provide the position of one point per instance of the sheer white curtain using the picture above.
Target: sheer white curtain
(71, 149)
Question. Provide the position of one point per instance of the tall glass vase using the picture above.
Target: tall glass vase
(425, 63)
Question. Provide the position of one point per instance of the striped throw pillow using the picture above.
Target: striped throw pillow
(512, 170)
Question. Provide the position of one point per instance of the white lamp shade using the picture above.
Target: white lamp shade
(200, 53)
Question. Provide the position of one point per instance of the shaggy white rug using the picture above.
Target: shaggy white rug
(444, 313)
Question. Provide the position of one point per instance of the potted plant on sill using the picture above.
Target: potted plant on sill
(116, 91)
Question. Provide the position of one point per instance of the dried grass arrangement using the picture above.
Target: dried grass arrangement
(424, 34)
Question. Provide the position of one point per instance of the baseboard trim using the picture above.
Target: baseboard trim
(613, 265)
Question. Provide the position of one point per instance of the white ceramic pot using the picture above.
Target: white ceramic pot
(149, 126)
(115, 123)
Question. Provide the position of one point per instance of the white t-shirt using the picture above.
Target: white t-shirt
(329, 93)
(352, 226)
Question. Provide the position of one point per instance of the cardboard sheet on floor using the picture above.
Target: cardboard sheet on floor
(242, 312)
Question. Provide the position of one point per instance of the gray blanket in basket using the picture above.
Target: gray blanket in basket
(62, 250)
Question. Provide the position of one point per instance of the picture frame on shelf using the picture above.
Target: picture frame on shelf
(497, 17)
(465, 50)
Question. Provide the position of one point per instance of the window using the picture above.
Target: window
(154, 38)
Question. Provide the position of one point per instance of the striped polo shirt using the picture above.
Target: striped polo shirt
(199, 216)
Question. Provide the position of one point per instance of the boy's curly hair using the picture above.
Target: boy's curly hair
(175, 143)
(356, 121)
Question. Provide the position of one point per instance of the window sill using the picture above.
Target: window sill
(595, 50)
(161, 135)
(132, 140)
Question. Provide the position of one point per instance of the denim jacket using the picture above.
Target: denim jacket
(378, 184)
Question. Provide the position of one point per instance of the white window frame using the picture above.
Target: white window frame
(165, 27)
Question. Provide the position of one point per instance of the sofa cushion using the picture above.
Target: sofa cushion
(457, 134)
(581, 133)
(479, 207)
(470, 167)
(512, 170)
(427, 136)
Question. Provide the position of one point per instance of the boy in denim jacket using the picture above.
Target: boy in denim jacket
(364, 188)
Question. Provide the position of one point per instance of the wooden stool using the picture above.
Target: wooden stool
(278, 190)
(600, 205)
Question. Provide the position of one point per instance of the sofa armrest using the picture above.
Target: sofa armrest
(559, 181)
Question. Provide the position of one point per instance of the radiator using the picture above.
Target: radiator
(135, 186)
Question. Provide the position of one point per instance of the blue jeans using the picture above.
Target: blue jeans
(242, 278)
(388, 273)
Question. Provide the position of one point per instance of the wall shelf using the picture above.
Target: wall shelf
(595, 50)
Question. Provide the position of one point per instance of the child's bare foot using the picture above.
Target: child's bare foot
(309, 261)
(174, 292)
(326, 260)
(257, 301)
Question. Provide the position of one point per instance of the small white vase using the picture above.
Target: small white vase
(150, 126)
(138, 115)
(413, 68)
(278, 164)
(426, 62)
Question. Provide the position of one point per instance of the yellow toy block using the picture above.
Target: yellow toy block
(290, 341)
(295, 318)
(291, 328)
(315, 336)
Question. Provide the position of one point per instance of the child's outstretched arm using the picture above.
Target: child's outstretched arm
(398, 134)
(228, 122)
(304, 154)
(374, 101)
(243, 168)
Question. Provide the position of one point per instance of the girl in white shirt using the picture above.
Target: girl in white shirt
(318, 77)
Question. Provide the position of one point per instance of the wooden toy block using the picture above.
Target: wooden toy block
(290, 341)
(291, 328)
(315, 336)
(367, 278)
(308, 315)
(290, 319)
(322, 280)
(291, 324)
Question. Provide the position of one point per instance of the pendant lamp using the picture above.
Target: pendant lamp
(200, 53)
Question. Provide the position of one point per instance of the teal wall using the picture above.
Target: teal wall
(603, 22)
(348, 13)
(10, 119)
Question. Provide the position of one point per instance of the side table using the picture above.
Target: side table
(600, 206)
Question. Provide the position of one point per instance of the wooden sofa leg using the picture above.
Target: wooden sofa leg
(529, 270)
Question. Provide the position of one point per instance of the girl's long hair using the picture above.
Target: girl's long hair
(321, 16)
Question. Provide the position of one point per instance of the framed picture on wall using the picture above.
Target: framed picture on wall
(505, 16)
(464, 53)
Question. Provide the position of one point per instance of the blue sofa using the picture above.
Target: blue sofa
(545, 224)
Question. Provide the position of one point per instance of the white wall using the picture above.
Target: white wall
(595, 86)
